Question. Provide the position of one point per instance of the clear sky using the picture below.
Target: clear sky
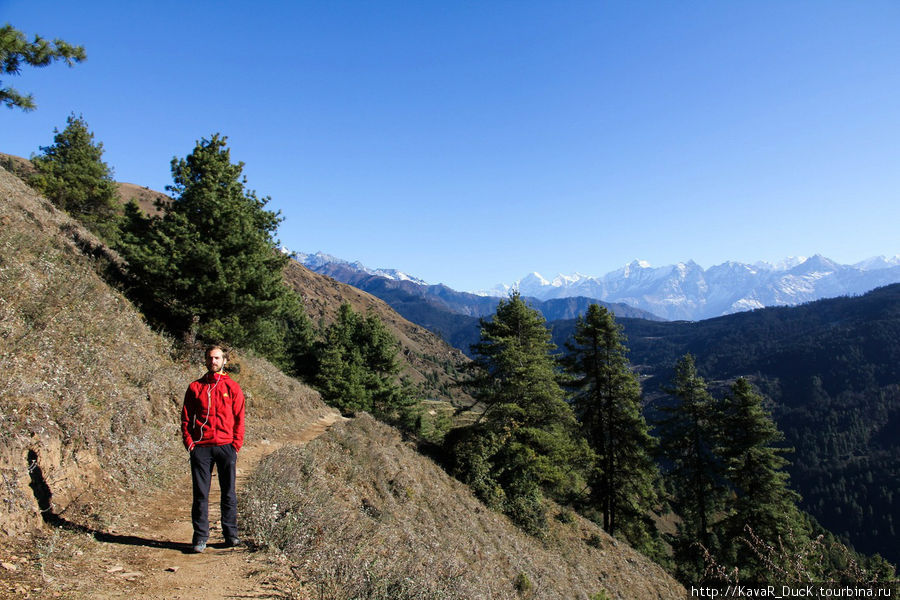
(472, 142)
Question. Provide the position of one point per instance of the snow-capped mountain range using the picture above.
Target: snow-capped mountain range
(687, 291)
(319, 260)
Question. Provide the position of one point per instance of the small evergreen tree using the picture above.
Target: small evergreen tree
(209, 263)
(16, 50)
(607, 400)
(688, 435)
(71, 174)
(358, 370)
(526, 441)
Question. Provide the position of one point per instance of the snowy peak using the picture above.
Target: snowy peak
(816, 263)
(320, 261)
(683, 291)
(635, 266)
(534, 278)
(688, 291)
(879, 262)
(564, 280)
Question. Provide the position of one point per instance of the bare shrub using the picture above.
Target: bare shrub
(799, 560)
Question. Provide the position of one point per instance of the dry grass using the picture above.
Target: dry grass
(89, 393)
(362, 515)
(80, 373)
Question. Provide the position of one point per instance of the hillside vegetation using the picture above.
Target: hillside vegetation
(80, 373)
(358, 510)
(426, 359)
(85, 385)
(89, 401)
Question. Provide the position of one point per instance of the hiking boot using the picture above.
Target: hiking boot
(233, 542)
(199, 547)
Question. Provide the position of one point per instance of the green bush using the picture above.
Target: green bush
(523, 584)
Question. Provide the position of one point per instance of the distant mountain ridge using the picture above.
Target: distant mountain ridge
(453, 315)
(684, 291)
(687, 291)
(321, 262)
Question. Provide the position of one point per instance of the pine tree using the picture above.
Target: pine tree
(16, 50)
(210, 263)
(71, 174)
(763, 504)
(358, 369)
(607, 399)
(526, 442)
(688, 436)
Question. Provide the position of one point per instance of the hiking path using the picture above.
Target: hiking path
(148, 554)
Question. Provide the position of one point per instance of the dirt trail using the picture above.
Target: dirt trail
(151, 557)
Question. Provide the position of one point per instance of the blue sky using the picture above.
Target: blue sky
(470, 143)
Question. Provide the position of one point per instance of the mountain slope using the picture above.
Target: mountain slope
(78, 366)
(426, 357)
(143, 196)
(80, 371)
(89, 405)
(407, 529)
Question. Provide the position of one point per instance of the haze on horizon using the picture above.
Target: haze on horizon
(472, 143)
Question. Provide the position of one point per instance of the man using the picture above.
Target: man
(212, 427)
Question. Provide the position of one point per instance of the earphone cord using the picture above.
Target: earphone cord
(209, 390)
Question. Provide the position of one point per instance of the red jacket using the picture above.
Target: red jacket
(213, 412)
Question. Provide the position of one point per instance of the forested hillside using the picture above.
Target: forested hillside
(388, 519)
(831, 369)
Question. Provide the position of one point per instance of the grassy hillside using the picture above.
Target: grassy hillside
(360, 514)
(89, 395)
(143, 196)
(78, 370)
(89, 402)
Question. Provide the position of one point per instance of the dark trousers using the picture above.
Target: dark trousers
(202, 460)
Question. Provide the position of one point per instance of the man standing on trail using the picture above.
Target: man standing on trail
(212, 427)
